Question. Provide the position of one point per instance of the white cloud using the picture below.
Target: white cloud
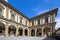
(59, 10)
(58, 23)
(40, 12)
(6, 0)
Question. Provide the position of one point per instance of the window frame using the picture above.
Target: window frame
(12, 13)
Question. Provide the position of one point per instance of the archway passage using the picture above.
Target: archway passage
(20, 31)
(46, 31)
(39, 32)
(2, 29)
(26, 32)
(32, 32)
(12, 30)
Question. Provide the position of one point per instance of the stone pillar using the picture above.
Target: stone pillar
(6, 27)
(6, 30)
(17, 27)
(35, 32)
(17, 31)
(51, 30)
(42, 32)
(28, 31)
(23, 31)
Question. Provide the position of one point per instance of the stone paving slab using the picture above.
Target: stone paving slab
(25, 38)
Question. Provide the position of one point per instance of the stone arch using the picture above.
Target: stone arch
(26, 32)
(12, 30)
(46, 31)
(2, 29)
(32, 32)
(20, 31)
(39, 32)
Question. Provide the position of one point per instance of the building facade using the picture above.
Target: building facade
(13, 22)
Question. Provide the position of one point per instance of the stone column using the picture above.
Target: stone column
(35, 31)
(23, 31)
(28, 31)
(42, 32)
(17, 27)
(51, 30)
(6, 30)
(6, 27)
(17, 31)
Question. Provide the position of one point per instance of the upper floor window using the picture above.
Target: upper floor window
(26, 22)
(21, 20)
(12, 16)
(38, 21)
(32, 23)
(0, 12)
(46, 20)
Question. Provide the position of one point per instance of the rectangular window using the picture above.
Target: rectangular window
(46, 20)
(38, 22)
(26, 22)
(21, 20)
(32, 23)
(12, 16)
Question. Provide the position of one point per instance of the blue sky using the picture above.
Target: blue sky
(32, 8)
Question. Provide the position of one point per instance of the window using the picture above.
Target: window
(26, 22)
(38, 21)
(0, 12)
(46, 20)
(21, 20)
(12, 16)
(32, 23)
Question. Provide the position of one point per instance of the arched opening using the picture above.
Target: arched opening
(46, 31)
(2, 29)
(26, 32)
(39, 32)
(20, 31)
(12, 30)
(32, 32)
